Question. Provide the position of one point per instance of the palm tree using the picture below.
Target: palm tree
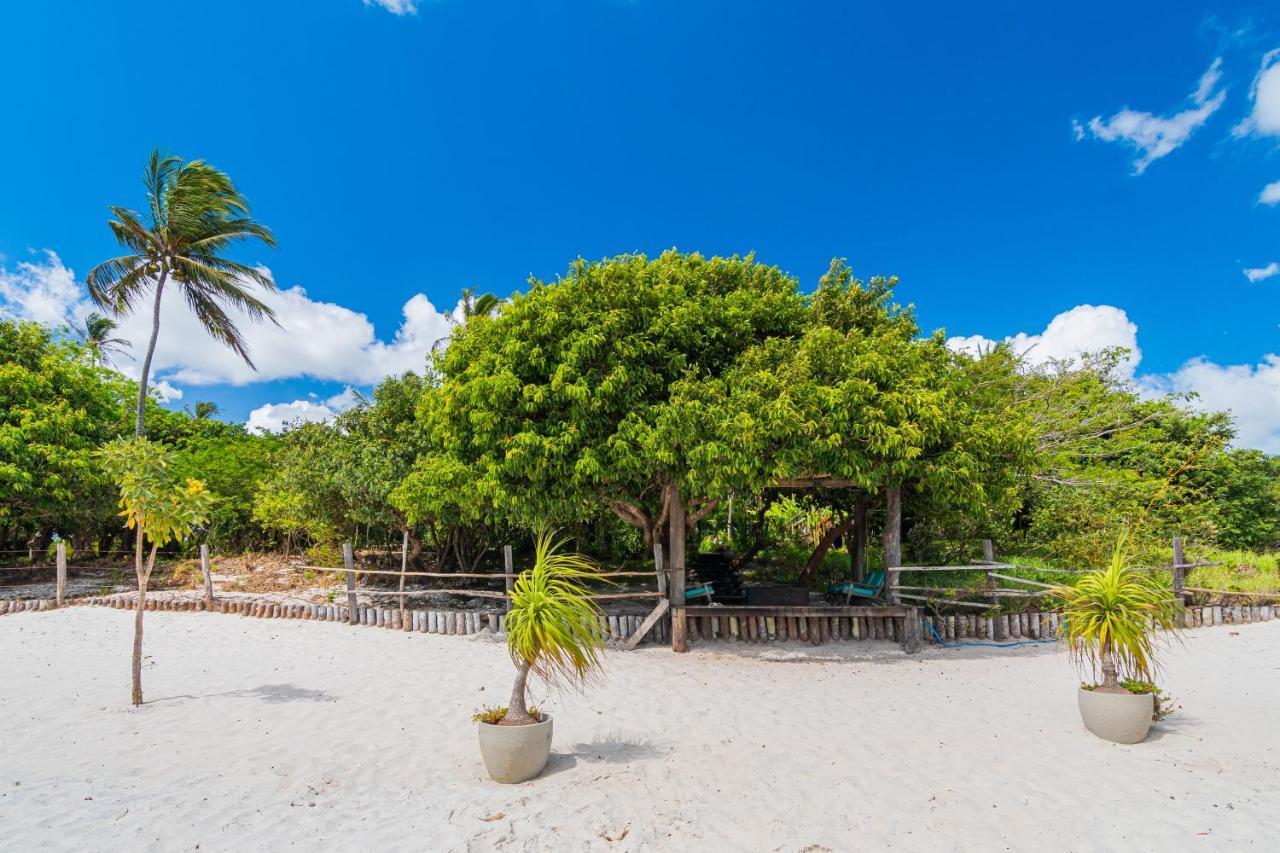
(204, 409)
(96, 334)
(553, 627)
(473, 305)
(194, 214)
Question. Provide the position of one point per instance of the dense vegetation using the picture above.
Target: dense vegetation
(634, 387)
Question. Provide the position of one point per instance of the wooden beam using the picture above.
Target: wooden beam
(892, 538)
(751, 611)
(649, 621)
(349, 561)
(678, 536)
(208, 576)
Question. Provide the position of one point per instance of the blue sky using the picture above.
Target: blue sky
(402, 151)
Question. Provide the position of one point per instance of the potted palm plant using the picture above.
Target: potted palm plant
(1111, 617)
(554, 632)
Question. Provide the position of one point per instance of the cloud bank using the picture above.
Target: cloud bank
(314, 339)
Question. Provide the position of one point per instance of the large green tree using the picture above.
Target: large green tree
(56, 409)
(194, 215)
(564, 398)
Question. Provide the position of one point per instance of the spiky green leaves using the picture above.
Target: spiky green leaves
(553, 625)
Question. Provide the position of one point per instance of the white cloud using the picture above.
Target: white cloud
(45, 291)
(395, 7)
(1262, 273)
(1250, 392)
(1157, 136)
(1270, 194)
(321, 340)
(274, 417)
(166, 392)
(1264, 118)
(1083, 329)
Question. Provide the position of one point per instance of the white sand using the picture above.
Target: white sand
(270, 735)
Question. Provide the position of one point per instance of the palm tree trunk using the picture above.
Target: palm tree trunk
(146, 362)
(517, 709)
(1110, 681)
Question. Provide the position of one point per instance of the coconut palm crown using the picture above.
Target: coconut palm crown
(97, 338)
(1111, 617)
(554, 629)
(194, 214)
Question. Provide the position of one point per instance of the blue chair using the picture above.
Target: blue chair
(870, 588)
(702, 589)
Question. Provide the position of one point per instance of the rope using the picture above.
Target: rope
(945, 644)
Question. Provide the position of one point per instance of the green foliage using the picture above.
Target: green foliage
(1110, 616)
(161, 506)
(232, 467)
(51, 553)
(554, 629)
(1241, 571)
(56, 409)
(566, 396)
(495, 714)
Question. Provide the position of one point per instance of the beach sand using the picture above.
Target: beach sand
(263, 735)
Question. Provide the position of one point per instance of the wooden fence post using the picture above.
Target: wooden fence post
(349, 562)
(659, 568)
(404, 567)
(1179, 560)
(208, 576)
(508, 574)
(892, 540)
(989, 555)
(62, 571)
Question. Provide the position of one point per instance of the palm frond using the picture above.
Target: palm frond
(553, 625)
(217, 323)
(1114, 613)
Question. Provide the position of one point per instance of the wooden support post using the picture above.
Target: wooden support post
(859, 558)
(349, 562)
(404, 567)
(659, 568)
(1179, 573)
(892, 539)
(989, 554)
(208, 576)
(679, 635)
(62, 571)
(509, 575)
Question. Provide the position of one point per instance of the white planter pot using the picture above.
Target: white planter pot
(1117, 717)
(515, 753)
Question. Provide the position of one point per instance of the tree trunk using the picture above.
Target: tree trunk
(517, 708)
(146, 367)
(824, 545)
(1110, 681)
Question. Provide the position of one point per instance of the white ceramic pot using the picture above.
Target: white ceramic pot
(515, 753)
(1117, 717)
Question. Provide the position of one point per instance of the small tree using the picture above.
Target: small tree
(1110, 616)
(553, 628)
(159, 506)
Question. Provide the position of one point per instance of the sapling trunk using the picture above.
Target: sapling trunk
(1110, 681)
(517, 709)
(144, 575)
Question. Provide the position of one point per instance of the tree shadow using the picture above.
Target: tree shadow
(615, 749)
(273, 694)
